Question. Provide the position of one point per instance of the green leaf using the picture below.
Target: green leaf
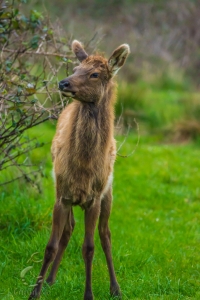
(19, 89)
(34, 42)
(17, 99)
(19, 111)
(15, 12)
(4, 92)
(35, 15)
(15, 24)
(14, 123)
(34, 101)
(2, 30)
(22, 76)
(31, 90)
(5, 15)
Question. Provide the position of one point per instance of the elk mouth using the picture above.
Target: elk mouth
(68, 94)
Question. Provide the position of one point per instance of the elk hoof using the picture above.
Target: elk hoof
(34, 295)
(115, 291)
(50, 280)
(88, 296)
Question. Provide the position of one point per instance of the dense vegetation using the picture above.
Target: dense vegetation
(30, 60)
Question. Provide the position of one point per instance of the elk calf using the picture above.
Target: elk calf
(83, 152)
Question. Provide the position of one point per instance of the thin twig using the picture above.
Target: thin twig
(38, 53)
(138, 140)
(17, 178)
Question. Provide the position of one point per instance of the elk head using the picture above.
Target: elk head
(91, 77)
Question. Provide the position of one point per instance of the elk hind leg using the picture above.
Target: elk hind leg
(105, 237)
(67, 232)
(91, 217)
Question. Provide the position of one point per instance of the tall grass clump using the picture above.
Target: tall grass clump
(159, 103)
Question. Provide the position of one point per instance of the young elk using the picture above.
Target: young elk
(83, 152)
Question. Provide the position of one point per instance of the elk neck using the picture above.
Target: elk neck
(93, 127)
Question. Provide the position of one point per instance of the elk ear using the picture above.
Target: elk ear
(118, 58)
(79, 51)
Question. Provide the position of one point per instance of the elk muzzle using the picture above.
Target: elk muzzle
(66, 88)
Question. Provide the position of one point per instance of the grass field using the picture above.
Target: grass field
(154, 223)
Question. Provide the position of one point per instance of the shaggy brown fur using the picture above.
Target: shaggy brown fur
(83, 152)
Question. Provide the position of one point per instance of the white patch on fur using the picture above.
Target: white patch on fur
(108, 184)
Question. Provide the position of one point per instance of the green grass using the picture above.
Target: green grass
(154, 223)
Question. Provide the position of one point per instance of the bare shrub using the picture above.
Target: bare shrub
(32, 53)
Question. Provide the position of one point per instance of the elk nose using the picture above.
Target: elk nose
(63, 84)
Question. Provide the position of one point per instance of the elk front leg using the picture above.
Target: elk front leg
(105, 237)
(60, 214)
(91, 217)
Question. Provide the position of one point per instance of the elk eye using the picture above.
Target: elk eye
(94, 75)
